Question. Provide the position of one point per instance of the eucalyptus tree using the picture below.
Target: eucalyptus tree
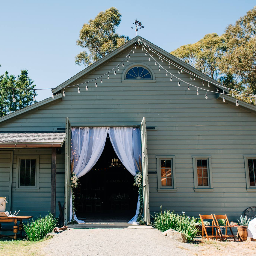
(229, 58)
(98, 37)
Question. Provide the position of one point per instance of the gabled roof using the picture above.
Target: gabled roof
(33, 106)
(113, 54)
(124, 47)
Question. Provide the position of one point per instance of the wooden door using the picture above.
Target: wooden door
(145, 171)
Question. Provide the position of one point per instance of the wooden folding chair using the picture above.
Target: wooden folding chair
(215, 229)
(226, 226)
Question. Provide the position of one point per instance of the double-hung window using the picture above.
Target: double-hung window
(27, 172)
(250, 170)
(166, 173)
(202, 172)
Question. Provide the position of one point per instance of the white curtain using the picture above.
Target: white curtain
(121, 139)
(88, 144)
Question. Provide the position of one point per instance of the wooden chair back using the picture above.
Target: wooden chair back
(215, 229)
(226, 226)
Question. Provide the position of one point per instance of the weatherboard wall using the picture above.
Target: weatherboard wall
(32, 201)
(185, 124)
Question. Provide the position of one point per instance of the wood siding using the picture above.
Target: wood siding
(36, 201)
(6, 176)
(185, 125)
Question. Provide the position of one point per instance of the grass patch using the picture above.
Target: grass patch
(21, 247)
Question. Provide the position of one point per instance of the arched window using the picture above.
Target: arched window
(138, 72)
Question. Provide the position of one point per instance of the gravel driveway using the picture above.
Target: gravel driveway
(125, 241)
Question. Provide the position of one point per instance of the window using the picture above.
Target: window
(202, 172)
(250, 170)
(137, 73)
(165, 173)
(27, 172)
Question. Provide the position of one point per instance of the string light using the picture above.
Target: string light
(114, 72)
(206, 97)
(197, 92)
(78, 89)
(223, 99)
(96, 85)
(86, 88)
(63, 93)
(188, 88)
(171, 79)
(237, 104)
(178, 83)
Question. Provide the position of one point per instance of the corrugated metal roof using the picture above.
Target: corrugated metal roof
(32, 138)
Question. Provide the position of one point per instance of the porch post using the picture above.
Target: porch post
(53, 183)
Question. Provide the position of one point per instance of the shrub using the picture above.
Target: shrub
(39, 228)
(182, 223)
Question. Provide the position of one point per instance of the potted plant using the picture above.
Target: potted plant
(242, 228)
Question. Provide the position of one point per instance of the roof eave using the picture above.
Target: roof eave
(33, 106)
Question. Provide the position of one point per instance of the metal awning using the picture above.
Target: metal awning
(31, 140)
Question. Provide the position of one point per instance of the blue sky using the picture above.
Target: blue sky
(40, 36)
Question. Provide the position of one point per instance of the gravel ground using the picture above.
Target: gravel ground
(112, 242)
(137, 241)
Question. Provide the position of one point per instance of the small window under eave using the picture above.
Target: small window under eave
(138, 73)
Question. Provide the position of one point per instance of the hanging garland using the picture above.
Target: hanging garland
(138, 182)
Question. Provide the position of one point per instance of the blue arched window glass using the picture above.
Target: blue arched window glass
(138, 73)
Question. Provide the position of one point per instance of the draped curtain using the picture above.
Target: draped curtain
(88, 144)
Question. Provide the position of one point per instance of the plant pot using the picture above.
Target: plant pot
(242, 232)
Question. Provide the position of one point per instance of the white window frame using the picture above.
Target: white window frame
(159, 184)
(124, 80)
(36, 187)
(209, 168)
(247, 176)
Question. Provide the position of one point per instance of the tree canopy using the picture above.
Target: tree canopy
(99, 37)
(229, 58)
(16, 92)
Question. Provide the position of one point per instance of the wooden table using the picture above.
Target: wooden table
(15, 220)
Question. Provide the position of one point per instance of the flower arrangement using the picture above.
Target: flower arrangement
(138, 182)
(74, 180)
(138, 179)
(243, 221)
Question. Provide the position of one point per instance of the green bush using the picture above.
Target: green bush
(39, 228)
(182, 223)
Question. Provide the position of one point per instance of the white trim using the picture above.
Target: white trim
(247, 177)
(27, 188)
(209, 170)
(135, 64)
(161, 188)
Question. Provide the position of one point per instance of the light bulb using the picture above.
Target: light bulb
(86, 88)
(63, 93)
(178, 83)
(96, 85)
(224, 99)
(78, 89)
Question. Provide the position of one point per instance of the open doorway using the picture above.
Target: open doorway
(106, 192)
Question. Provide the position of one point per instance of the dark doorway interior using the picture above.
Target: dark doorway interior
(107, 191)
